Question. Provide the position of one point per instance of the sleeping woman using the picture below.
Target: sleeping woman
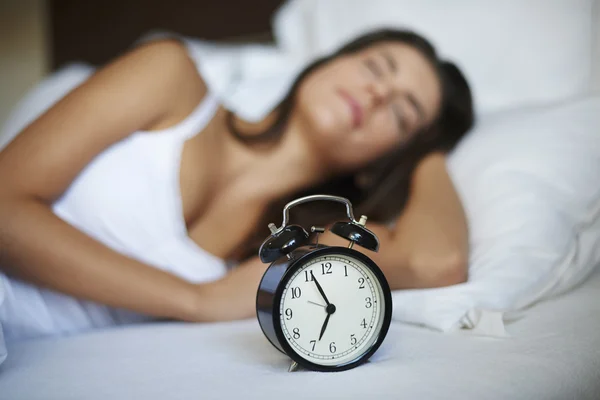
(138, 196)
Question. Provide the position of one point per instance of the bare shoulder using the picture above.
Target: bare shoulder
(170, 55)
(151, 85)
(167, 64)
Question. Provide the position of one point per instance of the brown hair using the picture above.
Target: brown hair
(381, 189)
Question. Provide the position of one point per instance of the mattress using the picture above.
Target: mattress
(553, 352)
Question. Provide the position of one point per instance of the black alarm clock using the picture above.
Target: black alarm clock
(326, 307)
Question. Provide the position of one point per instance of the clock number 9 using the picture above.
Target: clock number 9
(288, 314)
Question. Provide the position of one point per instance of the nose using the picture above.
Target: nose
(378, 93)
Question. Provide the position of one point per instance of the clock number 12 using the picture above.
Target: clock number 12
(326, 268)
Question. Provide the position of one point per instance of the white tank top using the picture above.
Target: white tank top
(129, 199)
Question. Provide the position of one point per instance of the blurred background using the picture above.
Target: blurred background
(24, 49)
(551, 53)
(39, 36)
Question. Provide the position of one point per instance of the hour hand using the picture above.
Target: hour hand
(319, 288)
(324, 326)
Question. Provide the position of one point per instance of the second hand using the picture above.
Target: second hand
(316, 304)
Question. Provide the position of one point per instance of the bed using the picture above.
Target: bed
(553, 352)
(551, 349)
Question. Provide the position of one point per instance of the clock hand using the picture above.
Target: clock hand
(319, 287)
(316, 304)
(324, 326)
(330, 309)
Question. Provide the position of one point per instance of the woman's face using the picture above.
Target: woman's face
(359, 106)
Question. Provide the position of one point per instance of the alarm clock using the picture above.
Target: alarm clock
(326, 307)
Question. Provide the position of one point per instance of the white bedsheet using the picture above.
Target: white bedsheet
(553, 353)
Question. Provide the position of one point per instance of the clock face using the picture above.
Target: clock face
(332, 309)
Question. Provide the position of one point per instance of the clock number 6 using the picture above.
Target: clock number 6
(332, 347)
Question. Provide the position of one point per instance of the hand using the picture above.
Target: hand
(319, 288)
(232, 297)
(324, 326)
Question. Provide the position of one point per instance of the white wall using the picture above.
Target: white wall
(23, 49)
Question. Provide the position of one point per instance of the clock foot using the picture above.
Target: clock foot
(293, 367)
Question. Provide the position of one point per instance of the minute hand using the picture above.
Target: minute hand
(319, 288)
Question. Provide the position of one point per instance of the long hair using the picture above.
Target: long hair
(379, 190)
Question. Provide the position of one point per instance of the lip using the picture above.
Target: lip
(355, 108)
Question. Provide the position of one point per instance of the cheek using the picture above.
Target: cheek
(324, 121)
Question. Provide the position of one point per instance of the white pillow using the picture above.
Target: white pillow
(529, 182)
(514, 52)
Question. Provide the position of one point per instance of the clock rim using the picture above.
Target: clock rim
(387, 317)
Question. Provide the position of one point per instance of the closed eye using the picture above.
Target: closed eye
(400, 120)
(374, 67)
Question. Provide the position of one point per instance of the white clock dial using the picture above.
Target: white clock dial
(347, 328)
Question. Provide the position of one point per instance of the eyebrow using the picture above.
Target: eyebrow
(418, 107)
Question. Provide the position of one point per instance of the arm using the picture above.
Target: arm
(150, 86)
(428, 247)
